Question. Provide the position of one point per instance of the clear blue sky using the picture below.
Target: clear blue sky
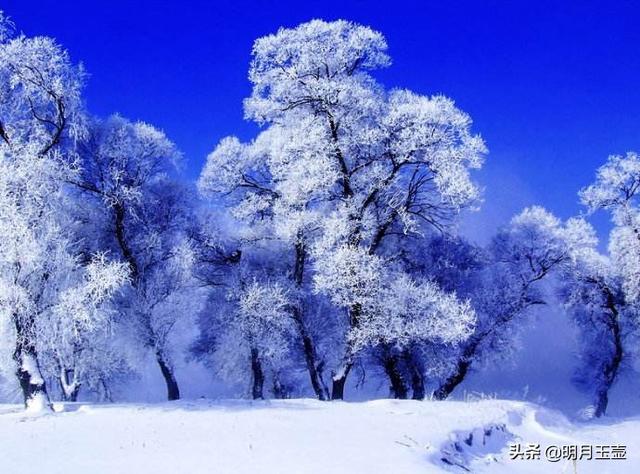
(554, 87)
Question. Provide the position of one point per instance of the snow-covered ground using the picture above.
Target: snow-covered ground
(302, 436)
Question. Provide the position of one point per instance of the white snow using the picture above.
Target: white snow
(30, 365)
(38, 403)
(300, 436)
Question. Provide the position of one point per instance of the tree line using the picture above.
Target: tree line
(324, 247)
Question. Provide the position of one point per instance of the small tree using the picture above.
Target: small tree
(76, 349)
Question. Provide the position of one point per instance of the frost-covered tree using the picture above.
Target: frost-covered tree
(394, 311)
(342, 163)
(259, 326)
(520, 259)
(248, 331)
(7, 28)
(40, 94)
(454, 265)
(616, 190)
(128, 175)
(242, 174)
(76, 350)
(592, 294)
(41, 277)
(604, 293)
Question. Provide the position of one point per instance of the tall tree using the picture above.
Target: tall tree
(40, 121)
(343, 163)
(605, 292)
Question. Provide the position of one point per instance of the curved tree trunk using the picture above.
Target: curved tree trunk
(611, 368)
(461, 369)
(311, 359)
(340, 376)
(449, 385)
(173, 392)
(459, 373)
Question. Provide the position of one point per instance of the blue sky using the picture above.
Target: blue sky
(554, 87)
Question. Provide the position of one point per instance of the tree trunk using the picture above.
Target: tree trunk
(105, 391)
(601, 401)
(339, 380)
(258, 375)
(308, 348)
(173, 392)
(390, 362)
(69, 386)
(448, 386)
(416, 372)
(462, 368)
(127, 253)
(32, 384)
(279, 389)
(611, 368)
(340, 376)
(313, 367)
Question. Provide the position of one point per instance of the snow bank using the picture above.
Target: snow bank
(300, 436)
